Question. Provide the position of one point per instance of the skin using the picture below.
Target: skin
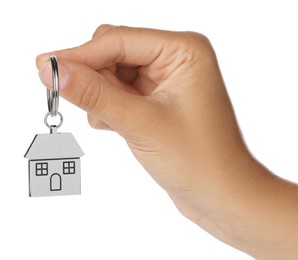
(164, 94)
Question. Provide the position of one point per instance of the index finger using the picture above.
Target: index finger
(118, 44)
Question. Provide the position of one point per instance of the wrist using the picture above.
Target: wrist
(225, 206)
(248, 208)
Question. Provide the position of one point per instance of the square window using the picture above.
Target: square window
(69, 167)
(41, 169)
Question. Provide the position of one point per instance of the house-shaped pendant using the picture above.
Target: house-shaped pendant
(54, 165)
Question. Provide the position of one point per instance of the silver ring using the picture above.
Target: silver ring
(50, 126)
(53, 95)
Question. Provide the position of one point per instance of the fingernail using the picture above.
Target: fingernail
(45, 74)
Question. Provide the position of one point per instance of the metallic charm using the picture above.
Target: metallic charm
(54, 165)
(54, 158)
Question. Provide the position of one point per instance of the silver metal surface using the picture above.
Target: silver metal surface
(53, 95)
(50, 126)
(54, 165)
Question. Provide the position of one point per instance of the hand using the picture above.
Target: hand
(163, 92)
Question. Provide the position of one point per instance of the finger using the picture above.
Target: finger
(93, 93)
(101, 29)
(117, 44)
(127, 74)
(96, 123)
(130, 79)
(110, 76)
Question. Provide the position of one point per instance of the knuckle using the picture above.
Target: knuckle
(200, 45)
(199, 40)
(97, 123)
(93, 121)
(101, 29)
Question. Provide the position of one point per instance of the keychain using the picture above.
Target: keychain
(54, 158)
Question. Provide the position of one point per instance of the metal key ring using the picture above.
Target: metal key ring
(50, 126)
(53, 95)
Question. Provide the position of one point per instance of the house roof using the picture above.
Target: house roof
(54, 146)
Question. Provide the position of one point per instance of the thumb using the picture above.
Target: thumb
(93, 93)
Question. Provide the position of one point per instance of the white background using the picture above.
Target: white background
(122, 213)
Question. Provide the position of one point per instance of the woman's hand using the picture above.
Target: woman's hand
(164, 93)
